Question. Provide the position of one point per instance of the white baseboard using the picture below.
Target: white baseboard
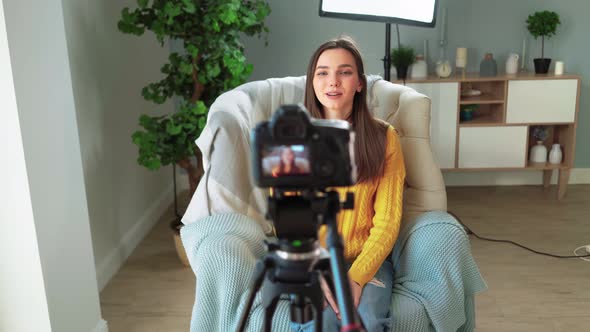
(114, 260)
(510, 178)
(101, 326)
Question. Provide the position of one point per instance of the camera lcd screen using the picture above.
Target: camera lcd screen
(285, 160)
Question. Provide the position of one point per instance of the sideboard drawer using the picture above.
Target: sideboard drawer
(542, 101)
(491, 147)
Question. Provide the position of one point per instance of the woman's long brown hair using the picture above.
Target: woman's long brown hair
(371, 134)
(282, 164)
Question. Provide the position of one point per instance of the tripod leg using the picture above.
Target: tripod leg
(269, 313)
(319, 314)
(257, 280)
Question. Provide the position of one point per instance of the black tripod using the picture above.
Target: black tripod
(294, 265)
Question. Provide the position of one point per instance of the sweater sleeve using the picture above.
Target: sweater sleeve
(387, 217)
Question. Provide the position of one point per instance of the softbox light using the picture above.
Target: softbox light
(407, 12)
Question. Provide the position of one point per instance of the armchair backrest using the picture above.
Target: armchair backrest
(227, 187)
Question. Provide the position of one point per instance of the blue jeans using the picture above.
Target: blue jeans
(373, 307)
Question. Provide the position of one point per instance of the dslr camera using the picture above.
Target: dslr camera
(295, 151)
(300, 158)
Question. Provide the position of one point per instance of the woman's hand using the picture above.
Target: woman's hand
(329, 297)
(356, 291)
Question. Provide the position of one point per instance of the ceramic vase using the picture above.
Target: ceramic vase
(555, 155)
(538, 153)
(419, 68)
(512, 63)
(488, 66)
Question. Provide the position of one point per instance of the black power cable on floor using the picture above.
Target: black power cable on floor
(469, 231)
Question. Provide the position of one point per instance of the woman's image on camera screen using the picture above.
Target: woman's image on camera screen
(285, 160)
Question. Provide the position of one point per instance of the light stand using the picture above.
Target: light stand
(387, 58)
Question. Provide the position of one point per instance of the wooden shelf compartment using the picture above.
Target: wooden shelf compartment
(562, 134)
(486, 114)
(492, 92)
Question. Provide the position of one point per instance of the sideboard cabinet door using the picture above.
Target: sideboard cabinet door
(542, 101)
(443, 120)
(492, 147)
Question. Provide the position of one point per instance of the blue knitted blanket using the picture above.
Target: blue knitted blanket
(223, 251)
(435, 276)
(434, 283)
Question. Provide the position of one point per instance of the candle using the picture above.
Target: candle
(559, 68)
(523, 62)
(443, 24)
(461, 58)
(426, 50)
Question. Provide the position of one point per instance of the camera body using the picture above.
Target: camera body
(294, 151)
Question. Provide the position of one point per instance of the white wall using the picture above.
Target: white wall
(109, 69)
(22, 292)
(296, 30)
(59, 215)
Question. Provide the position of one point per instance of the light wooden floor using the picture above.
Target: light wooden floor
(527, 292)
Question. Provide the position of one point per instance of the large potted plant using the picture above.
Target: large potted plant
(401, 58)
(213, 61)
(542, 24)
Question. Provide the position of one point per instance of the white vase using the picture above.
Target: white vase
(555, 154)
(538, 153)
(419, 68)
(512, 63)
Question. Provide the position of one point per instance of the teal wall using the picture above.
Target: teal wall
(481, 26)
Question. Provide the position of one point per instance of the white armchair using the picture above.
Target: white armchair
(227, 187)
(433, 288)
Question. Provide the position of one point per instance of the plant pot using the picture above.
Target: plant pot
(542, 65)
(176, 225)
(402, 72)
(465, 115)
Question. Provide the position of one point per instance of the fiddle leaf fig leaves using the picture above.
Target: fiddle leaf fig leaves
(211, 63)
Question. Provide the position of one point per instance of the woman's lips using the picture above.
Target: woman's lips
(333, 95)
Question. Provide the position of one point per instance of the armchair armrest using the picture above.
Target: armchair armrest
(433, 266)
(425, 189)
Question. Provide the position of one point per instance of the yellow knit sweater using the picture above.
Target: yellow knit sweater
(371, 229)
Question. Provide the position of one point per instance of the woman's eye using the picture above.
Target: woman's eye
(321, 73)
(346, 73)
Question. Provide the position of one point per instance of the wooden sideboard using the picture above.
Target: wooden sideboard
(499, 135)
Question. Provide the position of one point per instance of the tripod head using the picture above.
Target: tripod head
(294, 264)
(297, 215)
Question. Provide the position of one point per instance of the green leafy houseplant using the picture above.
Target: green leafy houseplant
(543, 24)
(213, 61)
(401, 58)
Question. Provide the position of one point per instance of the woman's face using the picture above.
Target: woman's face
(287, 156)
(335, 82)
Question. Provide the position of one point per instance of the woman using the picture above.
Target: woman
(336, 88)
(286, 165)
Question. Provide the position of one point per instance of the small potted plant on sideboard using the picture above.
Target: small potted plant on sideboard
(401, 58)
(542, 24)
